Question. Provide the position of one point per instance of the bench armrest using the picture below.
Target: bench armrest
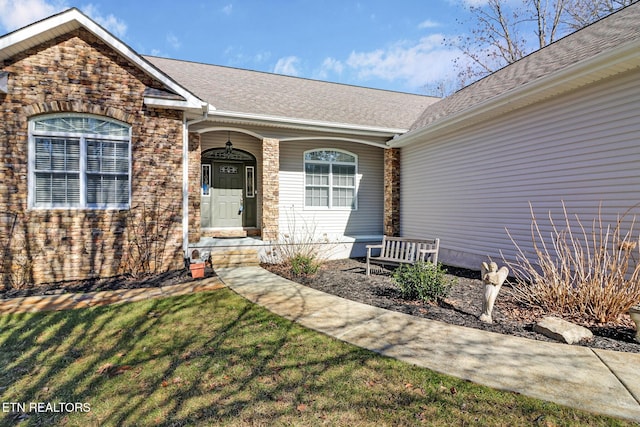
(434, 252)
(369, 247)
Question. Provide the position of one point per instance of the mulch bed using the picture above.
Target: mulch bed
(173, 277)
(347, 279)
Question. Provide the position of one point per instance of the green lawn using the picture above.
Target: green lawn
(215, 359)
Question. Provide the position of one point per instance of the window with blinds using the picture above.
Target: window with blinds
(330, 179)
(79, 161)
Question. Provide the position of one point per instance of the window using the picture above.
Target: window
(330, 179)
(79, 161)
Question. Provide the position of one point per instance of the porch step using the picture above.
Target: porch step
(235, 258)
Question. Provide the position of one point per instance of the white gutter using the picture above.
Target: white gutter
(566, 79)
(185, 179)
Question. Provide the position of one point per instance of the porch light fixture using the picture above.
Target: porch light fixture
(228, 146)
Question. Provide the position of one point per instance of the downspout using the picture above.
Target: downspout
(185, 178)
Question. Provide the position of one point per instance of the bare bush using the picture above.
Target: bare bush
(148, 230)
(301, 250)
(586, 275)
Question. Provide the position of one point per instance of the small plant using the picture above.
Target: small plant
(304, 265)
(423, 280)
(302, 250)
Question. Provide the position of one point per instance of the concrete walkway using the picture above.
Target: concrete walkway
(599, 381)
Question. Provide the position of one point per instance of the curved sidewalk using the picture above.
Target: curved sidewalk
(600, 381)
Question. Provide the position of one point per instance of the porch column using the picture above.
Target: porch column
(392, 192)
(270, 189)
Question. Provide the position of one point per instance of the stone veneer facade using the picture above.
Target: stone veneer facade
(392, 192)
(270, 189)
(76, 72)
(195, 223)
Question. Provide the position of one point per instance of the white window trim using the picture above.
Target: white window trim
(331, 186)
(83, 162)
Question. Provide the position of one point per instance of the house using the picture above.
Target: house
(116, 162)
(103, 147)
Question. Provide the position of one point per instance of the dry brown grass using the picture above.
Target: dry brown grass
(580, 273)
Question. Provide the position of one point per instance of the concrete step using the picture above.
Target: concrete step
(225, 258)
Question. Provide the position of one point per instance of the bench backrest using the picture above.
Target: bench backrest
(407, 250)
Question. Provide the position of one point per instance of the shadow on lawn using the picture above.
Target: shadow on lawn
(214, 358)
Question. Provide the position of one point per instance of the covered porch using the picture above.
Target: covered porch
(233, 184)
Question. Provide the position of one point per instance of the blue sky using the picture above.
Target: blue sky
(394, 45)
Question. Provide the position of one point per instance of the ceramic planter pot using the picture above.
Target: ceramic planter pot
(634, 312)
(197, 270)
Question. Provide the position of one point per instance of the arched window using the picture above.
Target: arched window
(330, 179)
(79, 161)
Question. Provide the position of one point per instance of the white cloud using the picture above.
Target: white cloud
(173, 41)
(416, 64)
(228, 9)
(472, 3)
(428, 24)
(18, 13)
(329, 66)
(110, 22)
(288, 66)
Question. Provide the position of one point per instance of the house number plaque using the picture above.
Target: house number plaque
(228, 169)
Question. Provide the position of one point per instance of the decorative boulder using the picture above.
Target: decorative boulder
(561, 330)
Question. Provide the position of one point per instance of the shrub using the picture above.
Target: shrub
(587, 275)
(147, 238)
(302, 250)
(423, 280)
(304, 265)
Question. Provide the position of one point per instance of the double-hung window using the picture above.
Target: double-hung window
(330, 179)
(79, 161)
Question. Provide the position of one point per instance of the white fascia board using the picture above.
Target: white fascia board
(174, 104)
(307, 124)
(72, 19)
(560, 81)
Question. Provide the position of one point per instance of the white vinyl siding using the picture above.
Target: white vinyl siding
(469, 186)
(79, 161)
(366, 220)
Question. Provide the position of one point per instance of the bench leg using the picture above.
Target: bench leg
(368, 267)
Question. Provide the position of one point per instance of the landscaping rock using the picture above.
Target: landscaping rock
(561, 330)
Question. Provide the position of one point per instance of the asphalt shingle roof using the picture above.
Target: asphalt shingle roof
(614, 30)
(253, 92)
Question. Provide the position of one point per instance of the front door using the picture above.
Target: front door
(228, 182)
(228, 194)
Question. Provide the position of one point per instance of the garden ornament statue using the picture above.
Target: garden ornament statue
(493, 280)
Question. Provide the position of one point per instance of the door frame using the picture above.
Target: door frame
(248, 163)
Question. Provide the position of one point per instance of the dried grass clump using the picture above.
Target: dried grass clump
(587, 275)
(302, 250)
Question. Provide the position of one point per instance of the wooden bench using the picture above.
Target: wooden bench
(401, 250)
